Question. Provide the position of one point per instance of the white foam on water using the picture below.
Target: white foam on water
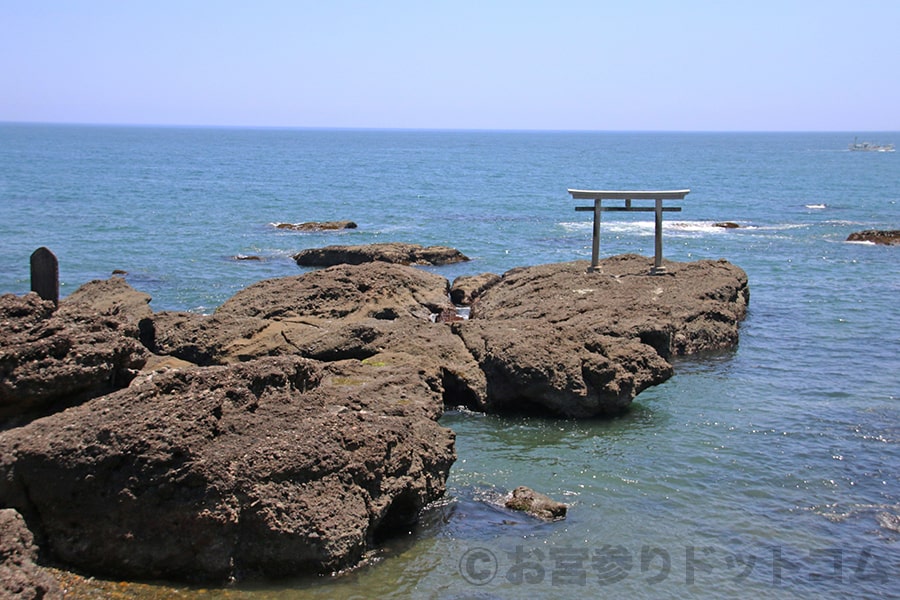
(648, 228)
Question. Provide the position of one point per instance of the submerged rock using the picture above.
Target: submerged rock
(392, 252)
(527, 500)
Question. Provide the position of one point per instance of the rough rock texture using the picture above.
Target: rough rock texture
(883, 237)
(316, 225)
(392, 252)
(20, 576)
(86, 348)
(338, 313)
(560, 339)
(293, 429)
(696, 306)
(536, 504)
(277, 466)
(467, 288)
(532, 365)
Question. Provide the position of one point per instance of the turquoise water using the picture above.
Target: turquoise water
(770, 469)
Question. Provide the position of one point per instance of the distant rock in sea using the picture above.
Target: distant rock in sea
(875, 236)
(316, 226)
(392, 252)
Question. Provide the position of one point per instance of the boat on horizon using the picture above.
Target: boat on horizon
(870, 147)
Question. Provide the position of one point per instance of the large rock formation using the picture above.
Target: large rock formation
(277, 466)
(294, 428)
(576, 343)
(392, 252)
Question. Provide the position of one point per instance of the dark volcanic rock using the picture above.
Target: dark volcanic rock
(279, 466)
(20, 576)
(534, 503)
(392, 252)
(883, 237)
(86, 348)
(317, 225)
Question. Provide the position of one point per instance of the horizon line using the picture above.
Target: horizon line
(427, 129)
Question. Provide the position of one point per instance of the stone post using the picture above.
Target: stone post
(45, 274)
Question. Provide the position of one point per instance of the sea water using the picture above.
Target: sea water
(770, 469)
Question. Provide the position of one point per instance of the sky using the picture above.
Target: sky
(654, 65)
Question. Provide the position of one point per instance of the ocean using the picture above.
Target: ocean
(767, 470)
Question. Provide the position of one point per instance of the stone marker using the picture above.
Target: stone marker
(45, 274)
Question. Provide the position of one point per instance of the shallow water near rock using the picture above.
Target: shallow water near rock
(766, 470)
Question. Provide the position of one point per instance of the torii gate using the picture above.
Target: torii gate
(628, 195)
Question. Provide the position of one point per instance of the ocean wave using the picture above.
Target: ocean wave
(686, 228)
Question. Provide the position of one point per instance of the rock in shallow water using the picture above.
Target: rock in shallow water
(305, 429)
(277, 466)
(527, 500)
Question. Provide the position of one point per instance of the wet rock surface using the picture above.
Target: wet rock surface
(536, 504)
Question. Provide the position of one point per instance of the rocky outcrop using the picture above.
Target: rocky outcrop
(296, 427)
(533, 366)
(696, 306)
(875, 236)
(559, 339)
(316, 226)
(392, 252)
(20, 575)
(539, 505)
(277, 466)
(88, 347)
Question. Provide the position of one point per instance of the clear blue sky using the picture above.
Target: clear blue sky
(459, 64)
